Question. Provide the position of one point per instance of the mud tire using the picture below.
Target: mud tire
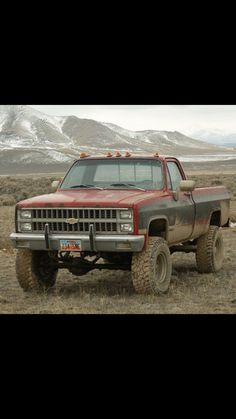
(151, 269)
(210, 251)
(34, 270)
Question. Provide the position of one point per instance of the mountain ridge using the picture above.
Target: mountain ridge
(216, 136)
(30, 137)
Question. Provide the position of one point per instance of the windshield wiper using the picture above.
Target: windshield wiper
(86, 186)
(131, 185)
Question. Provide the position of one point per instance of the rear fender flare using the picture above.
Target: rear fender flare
(217, 209)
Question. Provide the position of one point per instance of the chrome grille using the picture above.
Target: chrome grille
(75, 213)
(103, 220)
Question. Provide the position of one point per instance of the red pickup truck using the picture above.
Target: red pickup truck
(120, 212)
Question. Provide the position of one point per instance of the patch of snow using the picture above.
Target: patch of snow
(3, 117)
(207, 157)
(166, 138)
(56, 121)
(1, 124)
(145, 139)
(119, 130)
(119, 138)
(27, 125)
(13, 143)
(56, 155)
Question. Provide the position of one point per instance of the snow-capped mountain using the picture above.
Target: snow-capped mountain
(162, 138)
(216, 137)
(34, 141)
(23, 126)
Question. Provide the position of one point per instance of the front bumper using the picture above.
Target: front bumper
(111, 243)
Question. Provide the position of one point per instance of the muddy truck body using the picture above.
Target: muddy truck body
(120, 212)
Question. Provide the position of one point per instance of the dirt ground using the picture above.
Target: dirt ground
(110, 292)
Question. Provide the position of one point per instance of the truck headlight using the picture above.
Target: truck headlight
(25, 227)
(126, 214)
(25, 214)
(128, 228)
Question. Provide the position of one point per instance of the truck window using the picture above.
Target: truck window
(142, 173)
(135, 172)
(174, 175)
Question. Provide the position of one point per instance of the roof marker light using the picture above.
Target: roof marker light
(118, 154)
(109, 154)
(127, 154)
(83, 155)
(156, 155)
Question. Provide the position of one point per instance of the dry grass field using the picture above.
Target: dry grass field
(111, 292)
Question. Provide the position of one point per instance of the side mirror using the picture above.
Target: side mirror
(55, 184)
(184, 186)
(187, 185)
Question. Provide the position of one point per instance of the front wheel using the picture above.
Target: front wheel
(34, 270)
(210, 251)
(151, 269)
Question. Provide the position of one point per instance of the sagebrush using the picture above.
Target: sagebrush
(16, 188)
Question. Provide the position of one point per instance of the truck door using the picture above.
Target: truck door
(182, 207)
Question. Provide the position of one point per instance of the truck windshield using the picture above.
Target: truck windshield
(114, 174)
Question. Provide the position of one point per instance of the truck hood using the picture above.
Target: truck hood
(91, 198)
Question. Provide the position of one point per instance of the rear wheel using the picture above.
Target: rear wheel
(34, 270)
(210, 251)
(151, 268)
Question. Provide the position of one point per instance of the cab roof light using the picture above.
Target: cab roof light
(156, 155)
(127, 154)
(109, 154)
(118, 154)
(83, 155)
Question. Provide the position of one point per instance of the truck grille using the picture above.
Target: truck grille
(103, 220)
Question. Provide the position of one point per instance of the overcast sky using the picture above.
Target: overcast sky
(184, 118)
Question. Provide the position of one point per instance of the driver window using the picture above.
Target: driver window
(174, 176)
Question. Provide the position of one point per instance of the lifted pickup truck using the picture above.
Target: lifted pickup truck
(120, 212)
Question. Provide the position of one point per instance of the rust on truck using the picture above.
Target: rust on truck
(127, 210)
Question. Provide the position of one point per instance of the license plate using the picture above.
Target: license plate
(70, 245)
